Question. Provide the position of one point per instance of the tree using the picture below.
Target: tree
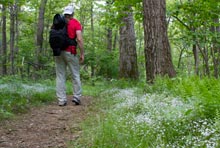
(109, 28)
(12, 36)
(127, 45)
(200, 33)
(4, 42)
(92, 35)
(158, 59)
(215, 49)
(40, 30)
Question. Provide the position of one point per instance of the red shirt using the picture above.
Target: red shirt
(72, 26)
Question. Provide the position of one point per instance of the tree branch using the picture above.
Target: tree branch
(181, 22)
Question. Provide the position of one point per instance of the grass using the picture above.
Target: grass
(180, 112)
(17, 96)
(171, 113)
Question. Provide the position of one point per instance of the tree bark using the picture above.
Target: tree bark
(40, 31)
(17, 9)
(114, 46)
(157, 48)
(196, 58)
(215, 49)
(109, 39)
(127, 45)
(12, 38)
(4, 42)
(180, 58)
(92, 38)
(109, 28)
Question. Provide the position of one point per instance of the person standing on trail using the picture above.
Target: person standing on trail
(70, 59)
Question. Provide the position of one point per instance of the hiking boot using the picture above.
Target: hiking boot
(62, 103)
(76, 101)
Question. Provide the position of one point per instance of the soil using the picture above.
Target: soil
(48, 126)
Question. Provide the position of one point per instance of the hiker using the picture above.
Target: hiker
(70, 58)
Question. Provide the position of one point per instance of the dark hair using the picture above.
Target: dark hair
(71, 15)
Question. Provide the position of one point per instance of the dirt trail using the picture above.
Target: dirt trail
(49, 126)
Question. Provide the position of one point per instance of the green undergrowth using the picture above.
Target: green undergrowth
(205, 90)
(179, 112)
(17, 95)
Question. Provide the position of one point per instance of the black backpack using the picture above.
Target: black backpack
(58, 37)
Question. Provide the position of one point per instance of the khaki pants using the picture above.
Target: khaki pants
(61, 62)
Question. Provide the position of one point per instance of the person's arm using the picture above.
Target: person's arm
(80, 44)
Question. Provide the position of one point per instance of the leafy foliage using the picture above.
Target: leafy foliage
(170, 113)
(186, 32)
(205, 90)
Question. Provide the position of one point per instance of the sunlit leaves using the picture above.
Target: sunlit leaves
(114, 11)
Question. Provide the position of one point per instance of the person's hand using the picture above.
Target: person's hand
(81, 59)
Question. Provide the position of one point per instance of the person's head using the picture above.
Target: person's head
(68, 12)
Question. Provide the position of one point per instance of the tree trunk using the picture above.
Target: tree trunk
(157, 48)
(109, 28)
(40, 31)
(17, 9)
(215, 49)
(12, 37)
(128, 55)
(180, 58)
(4, 42)
(109, 39)
(114, 46)
(196, 58)
(206, 61)
(92, 38)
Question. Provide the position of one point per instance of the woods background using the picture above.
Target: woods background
(123, 39)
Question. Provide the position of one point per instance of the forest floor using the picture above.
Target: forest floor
(48, 126)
